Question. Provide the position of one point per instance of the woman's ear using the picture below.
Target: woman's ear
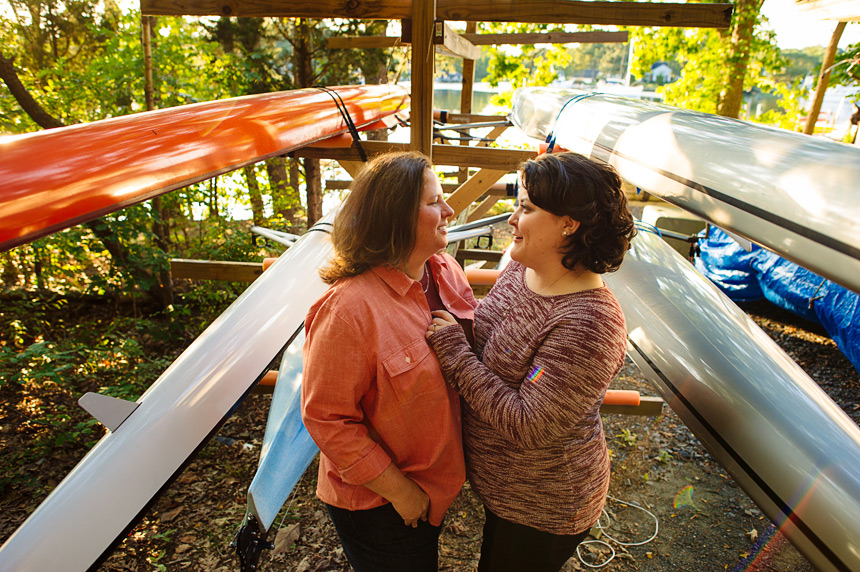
(569, 226)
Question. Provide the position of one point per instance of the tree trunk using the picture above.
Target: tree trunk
(313, 184)
(304, 77)
(162, 241)
(213, 199)
(159, 224)
(743, 23)
(284, 188)
(823, 80)
(255, 196)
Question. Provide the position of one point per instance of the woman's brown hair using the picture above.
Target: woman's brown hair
(377, 220)
(569, 184)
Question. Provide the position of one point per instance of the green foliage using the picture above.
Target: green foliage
(703, 57)
(55, 349)
(627, 437)
(846, 68)
(608, 60)
(522, 65)
(801, 63)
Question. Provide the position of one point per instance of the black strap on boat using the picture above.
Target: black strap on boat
(321, 227)
(341, 106)
(550, 139)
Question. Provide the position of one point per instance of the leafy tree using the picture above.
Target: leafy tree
(606, 59)
(801, 63)
(717, 66)
(524, 64)
(62, 59)
(846, 68)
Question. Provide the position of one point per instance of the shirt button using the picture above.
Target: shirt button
(408, 359)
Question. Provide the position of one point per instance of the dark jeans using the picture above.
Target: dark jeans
(376, 540)
(512, 547)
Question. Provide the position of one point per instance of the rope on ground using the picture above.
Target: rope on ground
(603, 529)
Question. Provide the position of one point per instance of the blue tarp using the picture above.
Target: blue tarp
(748, 276)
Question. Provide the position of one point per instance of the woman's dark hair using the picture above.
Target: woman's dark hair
(569, 184)
(377, 220)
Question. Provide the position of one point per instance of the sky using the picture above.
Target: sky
(796, 29)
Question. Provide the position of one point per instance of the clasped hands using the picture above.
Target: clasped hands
(441, 319)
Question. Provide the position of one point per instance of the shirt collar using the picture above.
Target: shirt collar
(399, 281)
(396, 279)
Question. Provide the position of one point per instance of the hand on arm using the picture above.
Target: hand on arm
(407, 498)
(441, 319)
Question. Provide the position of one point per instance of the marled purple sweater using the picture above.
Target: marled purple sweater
(535, 450)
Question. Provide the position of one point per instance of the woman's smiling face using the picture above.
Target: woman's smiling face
(537, 232)
(431, 236)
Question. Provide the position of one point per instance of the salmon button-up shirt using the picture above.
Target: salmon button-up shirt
(372, 389)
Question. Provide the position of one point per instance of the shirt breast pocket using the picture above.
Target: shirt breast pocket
(412, 371)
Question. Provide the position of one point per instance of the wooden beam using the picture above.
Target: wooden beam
(473, 188)
(548, 38)
(649, 406)
(479, 254)
(535, 11)
(478, 157)
(499, 190)
(454, 44)
(468, 83)
(467, 93)
(482, 208)
(352, 167)
(421, 87)
(215, 270)
(468, 117)
(595, 13)
(364, 42)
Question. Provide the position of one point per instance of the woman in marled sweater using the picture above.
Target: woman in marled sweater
(549, 337)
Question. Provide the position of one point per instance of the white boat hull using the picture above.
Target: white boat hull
(790, 193)
(783, 440)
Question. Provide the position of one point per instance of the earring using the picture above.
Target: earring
(565, 233)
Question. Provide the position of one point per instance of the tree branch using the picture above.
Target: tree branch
(23, 97)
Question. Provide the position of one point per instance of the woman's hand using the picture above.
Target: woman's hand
(412, 504)
(408, 499)
(441, 319)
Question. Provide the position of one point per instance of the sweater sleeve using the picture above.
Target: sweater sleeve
(337, 374)
(567, 377)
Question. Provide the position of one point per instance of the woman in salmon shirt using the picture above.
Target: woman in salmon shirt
(373, 396)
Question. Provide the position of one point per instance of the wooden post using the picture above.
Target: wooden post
(823, 79)
(466, 96)
(146, 26)
(423, 55)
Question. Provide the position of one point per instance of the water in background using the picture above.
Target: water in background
(449, 99)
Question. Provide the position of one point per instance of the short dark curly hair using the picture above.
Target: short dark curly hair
(588, 191)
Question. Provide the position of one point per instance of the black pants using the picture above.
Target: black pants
(512, 547)
(376, 540)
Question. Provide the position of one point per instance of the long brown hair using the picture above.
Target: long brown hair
(377, 220)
